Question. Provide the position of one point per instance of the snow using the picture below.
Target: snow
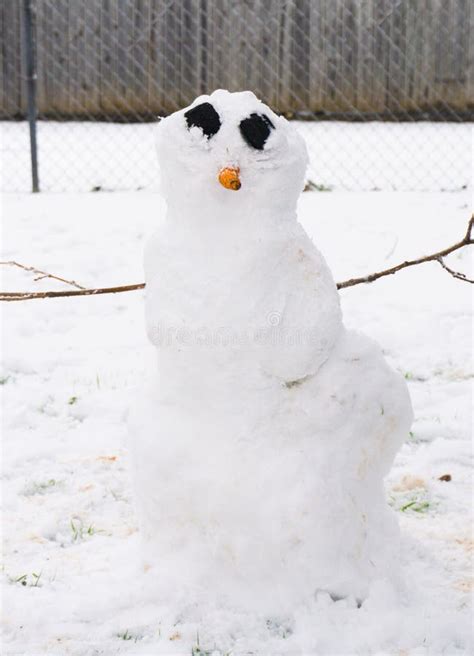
(70, 370)
(76, 156)
(246, 450)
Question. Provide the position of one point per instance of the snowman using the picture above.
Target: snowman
(262, 439)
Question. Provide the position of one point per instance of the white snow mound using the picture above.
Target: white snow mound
(262, 440)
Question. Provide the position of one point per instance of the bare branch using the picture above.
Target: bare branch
(434, 257)
(467, 239)
(455, 274)
(41, 274)
(25, 296)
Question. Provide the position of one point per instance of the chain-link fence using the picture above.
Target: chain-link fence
(383, 89)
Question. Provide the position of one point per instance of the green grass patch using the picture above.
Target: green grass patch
(28, 580)
(415, 501)
(127, 636)
(416, 506)
(79, 531)
(40, 487)
(314, 186)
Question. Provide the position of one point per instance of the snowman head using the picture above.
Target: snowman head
(229, 153)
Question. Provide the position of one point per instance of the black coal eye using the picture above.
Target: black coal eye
(256, 129)
(204, 116)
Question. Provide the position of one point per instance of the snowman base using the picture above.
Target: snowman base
(263, 519)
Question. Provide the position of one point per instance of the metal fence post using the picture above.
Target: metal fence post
(30, 62)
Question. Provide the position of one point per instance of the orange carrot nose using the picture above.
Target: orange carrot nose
(229, 178)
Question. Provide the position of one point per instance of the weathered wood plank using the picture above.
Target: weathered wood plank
(300, 53)
(12, 94)
(53, 56)
(189, 70)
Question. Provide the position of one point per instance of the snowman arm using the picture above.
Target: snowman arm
(309, 321)
(303, 339)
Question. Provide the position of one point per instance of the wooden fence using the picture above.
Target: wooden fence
(134, 59)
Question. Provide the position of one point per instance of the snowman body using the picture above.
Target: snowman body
(261, 442)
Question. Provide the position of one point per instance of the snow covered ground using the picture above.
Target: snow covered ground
(71, 581)
(344, 156)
